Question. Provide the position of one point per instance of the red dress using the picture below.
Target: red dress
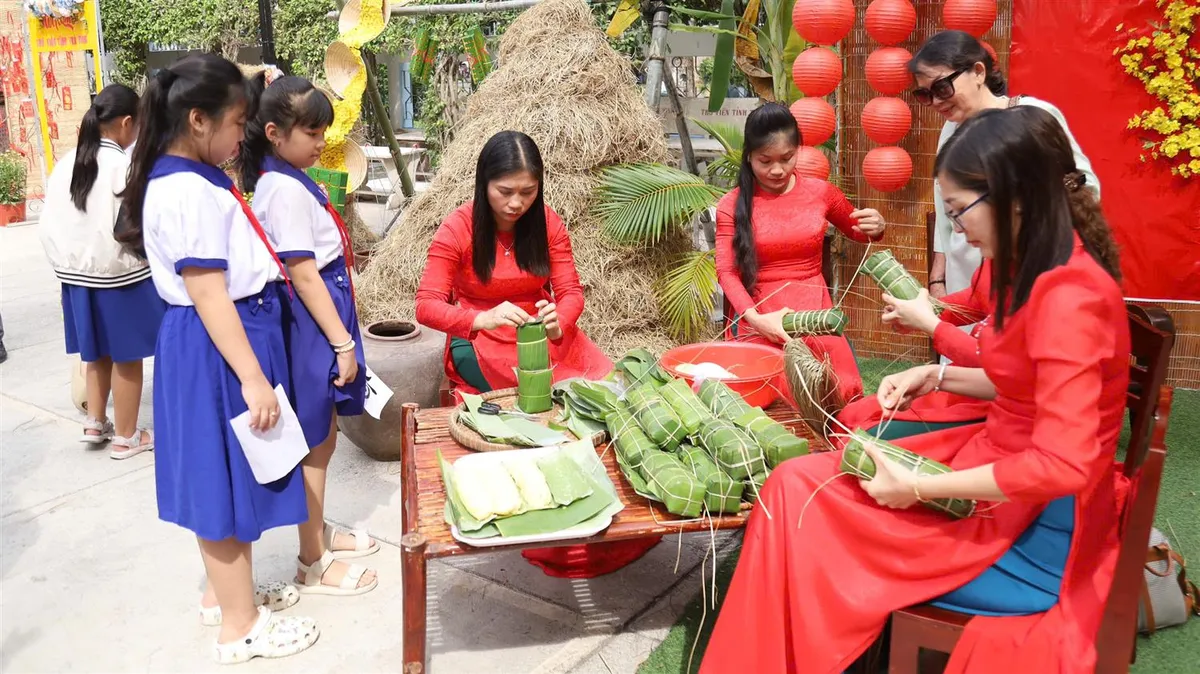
(789, 230)
(811, 595)
(962, 308)
(451, 296)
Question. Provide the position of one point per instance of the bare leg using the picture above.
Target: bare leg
(312, 544)
(99, 383)
(127, 397)
(231, 579)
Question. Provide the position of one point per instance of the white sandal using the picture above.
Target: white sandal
(104, 431)
(363, 543)
(347, 588)
(271, 637)
(123, 448)
(275, 595)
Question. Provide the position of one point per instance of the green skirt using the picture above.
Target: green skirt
(466, 364)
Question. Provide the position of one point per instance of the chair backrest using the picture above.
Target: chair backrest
(1152, 333)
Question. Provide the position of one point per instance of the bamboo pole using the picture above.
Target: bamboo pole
(464, 8)
(657, 55)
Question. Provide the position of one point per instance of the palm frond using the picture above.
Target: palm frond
(729, 136)
(726, 168)
(686, 295)
(641, 203)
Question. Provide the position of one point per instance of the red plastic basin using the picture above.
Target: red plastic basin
(757, 367)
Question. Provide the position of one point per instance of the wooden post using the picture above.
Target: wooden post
(414, 578)
(408, 467)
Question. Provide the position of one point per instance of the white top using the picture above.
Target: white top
(190, 222)
(297, 224)
(80, 244)
(962, 259)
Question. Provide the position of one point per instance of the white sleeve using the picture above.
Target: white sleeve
(196, 230)
(1081, 161)
(286, 213)
(942, 227)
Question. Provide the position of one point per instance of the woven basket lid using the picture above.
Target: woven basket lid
(353, 8)
(356, 166)
(341, 65)
(506, 398)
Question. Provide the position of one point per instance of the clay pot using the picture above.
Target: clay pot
(11, 214)
(408, 358)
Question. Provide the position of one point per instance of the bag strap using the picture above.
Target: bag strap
(1191, 594)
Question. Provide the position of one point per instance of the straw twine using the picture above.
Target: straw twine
(559, 81)
(814, 385)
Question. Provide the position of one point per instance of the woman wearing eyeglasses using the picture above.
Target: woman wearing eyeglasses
(958, 76)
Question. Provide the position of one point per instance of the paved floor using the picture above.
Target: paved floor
(92, 581)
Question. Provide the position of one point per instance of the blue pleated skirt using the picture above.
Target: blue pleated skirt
(313, 364)
(202, 478)
(117, 323)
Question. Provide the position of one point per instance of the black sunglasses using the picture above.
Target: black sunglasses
(941, 88)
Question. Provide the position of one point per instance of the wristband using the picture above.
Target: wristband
(936, 281)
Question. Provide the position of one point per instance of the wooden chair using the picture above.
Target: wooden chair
(934, 629)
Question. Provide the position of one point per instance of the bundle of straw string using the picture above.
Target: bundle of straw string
(814, 385)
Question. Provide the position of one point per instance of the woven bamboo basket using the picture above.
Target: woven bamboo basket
(507, 399)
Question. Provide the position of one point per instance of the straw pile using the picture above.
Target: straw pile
(559, 81)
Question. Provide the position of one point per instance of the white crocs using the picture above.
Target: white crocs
(123, 448)
(104, 431)
(275, 595)
(271, 637)
(347, 588)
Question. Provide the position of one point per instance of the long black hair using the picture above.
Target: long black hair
(506, 153)
(112, 103)
(956, 50)
(1021, 157)
(290, 102)
(204, 82)
(763, 126)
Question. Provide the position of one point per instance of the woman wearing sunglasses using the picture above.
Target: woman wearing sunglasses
(957, 76)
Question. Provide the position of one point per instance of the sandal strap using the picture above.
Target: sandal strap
(135, 439)
(353, 575)
(313, 574)
(94, 424)
(362, 539)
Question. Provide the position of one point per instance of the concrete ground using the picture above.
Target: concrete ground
(92, 581)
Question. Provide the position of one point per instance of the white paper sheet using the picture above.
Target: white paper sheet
(378, 395)
(274, 453)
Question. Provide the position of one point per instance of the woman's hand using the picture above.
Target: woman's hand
(897, 391)
(548, 314)
(892, 486)
(769, 325)
(870, 222)
(915, 314)
(505, 313)
(262, 403)
(347, 364)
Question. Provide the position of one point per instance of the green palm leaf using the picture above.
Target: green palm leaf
(641, 203)
(686, 295)
(729, 136)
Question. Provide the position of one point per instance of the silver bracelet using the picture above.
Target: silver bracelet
(344, 348)
(941, 376)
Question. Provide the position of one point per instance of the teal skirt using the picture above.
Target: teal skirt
(466, 364)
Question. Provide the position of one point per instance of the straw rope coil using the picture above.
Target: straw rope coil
(813, 384)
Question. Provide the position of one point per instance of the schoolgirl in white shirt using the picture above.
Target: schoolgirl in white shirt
(324, 351)
(220, 350)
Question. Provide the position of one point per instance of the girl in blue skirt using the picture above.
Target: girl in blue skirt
(328, 370)
(220, 350)
(111, 311)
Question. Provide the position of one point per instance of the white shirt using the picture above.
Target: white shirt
(190, 222)
(296, 222)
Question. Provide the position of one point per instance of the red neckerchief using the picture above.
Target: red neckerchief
(258, 229)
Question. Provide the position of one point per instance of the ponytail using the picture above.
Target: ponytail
(112, 103)
(255, 145)
(152, 141)
(762, 127)
(1091, 225)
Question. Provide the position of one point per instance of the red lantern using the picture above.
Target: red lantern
(887, 70)
(887, 168)
(890, 22)
(812, 163)
(886, 120)
(823, 21)
(816, 119)
(817, 71)
(971, 16)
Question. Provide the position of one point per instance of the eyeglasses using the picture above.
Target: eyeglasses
(940, 89)
(956, 218)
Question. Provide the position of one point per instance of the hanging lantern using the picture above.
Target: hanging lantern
(970, 16)
(890, 22)
(887, 70)
(816, 119)
(823, 21)
(817, 71)
(887, 168)
(812, 163)
(886, 120)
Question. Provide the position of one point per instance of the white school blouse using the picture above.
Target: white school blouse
(297, 224)
(190, 222)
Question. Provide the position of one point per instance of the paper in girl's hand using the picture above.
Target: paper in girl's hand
(378, 395)
(272, 454)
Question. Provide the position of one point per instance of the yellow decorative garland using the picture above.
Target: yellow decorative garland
(347, 110)
(1169, 66)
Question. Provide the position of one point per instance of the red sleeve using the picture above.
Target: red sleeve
(956, 345)
(564, 279)
(1069, 334)
(838, 209)
(973, 304)
(727, 271)
(450, 251)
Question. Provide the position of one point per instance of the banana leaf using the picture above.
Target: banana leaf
(753, 485)
(533, 348)
(722, 493)
(778, 443)
(639, 366)
(722, 400)
(732, 449)
(564, 477)
(690, 410)
(723, 57)
(856, 462)
(557, 519)
(673, 484)
(632, 445)
(655, 417)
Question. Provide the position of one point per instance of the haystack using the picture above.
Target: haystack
(559, 81)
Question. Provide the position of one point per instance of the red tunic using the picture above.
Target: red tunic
(811, 595)
(962, 308)
(789, 230)
(451, 296)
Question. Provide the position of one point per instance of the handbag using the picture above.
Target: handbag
(1168, 597)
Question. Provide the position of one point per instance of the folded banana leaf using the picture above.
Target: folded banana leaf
(639, 366)
(565, 479)
(753, 485)
(655, 417)
(632, 445)
(689, 408)
(732, 449)
(673, 484)
(557, 519)
(776, 440)
(721, 492)
(722, 400)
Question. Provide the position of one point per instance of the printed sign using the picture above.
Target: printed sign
(378, 395)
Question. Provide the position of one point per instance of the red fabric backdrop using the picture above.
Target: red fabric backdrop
(1062, 53)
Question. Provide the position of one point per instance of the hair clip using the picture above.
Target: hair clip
(1074, 180)
(272, 73)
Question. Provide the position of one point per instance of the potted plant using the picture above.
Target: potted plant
(12, 188)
